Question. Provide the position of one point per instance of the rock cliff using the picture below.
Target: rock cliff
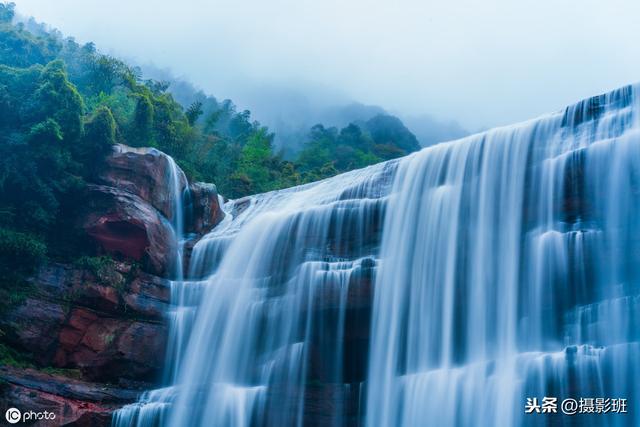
(95, 330)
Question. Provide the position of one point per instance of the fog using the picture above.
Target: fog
(479, 63)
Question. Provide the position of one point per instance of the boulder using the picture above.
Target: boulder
(145, 172)
(205, 207)
(125, 226)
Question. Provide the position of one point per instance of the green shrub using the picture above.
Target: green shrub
(99, 137)
(20, 253)
(11, 357)
(103, 267)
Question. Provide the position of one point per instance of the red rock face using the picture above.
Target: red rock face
(143, 172)
(103, 348)
(129, 216)
(112, 332)
(125, 226)
(128, 238)
(109, 330)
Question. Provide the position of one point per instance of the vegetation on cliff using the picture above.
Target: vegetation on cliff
(63, 104)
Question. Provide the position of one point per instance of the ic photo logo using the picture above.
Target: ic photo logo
(13, 415)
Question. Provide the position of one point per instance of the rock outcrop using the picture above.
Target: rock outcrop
(103, 318)
(143, 172)
(205, 207)
(125, 226)
(106, 326)
(110, 331)
(128, 216)
(64, 401)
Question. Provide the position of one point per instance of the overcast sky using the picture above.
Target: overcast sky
(483, 63)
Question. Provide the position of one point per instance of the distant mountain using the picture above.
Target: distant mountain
(290, 113)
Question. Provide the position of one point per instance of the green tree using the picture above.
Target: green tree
(254, 160)
(7, 12)
(143, 119)
(319, 150)
(20, 254)
(99, 138)
(391, 132)
(193, 112)
(56, 97)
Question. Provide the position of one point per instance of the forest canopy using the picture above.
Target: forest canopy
(64, 104)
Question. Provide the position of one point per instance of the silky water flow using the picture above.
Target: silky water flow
(441, 289)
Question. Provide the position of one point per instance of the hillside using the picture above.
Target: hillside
(64, 105)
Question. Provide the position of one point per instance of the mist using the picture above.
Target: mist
(479, 64)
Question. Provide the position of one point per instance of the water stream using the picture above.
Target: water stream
(441, 289)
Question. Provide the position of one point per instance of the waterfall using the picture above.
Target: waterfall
(153, 405)
(272, 310)
(259, 320)
(177, 195)
(441, 289)
(509, 269)
(179, 317)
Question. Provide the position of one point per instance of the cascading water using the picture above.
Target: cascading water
(262, 313)
(153, 404)
(510, 271)
(180, 316)
(178, 192)
(505, 266)
(272, 312)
